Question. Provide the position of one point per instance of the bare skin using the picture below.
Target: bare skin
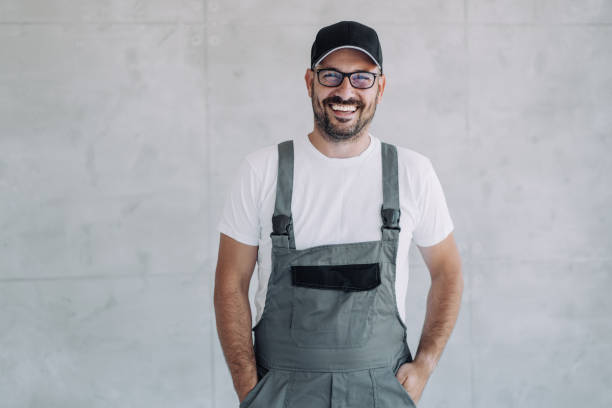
(235, 265)
(443, 302)
(347, 137)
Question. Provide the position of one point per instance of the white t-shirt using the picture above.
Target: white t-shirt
(335, 200)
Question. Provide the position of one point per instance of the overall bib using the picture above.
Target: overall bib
(330, 335)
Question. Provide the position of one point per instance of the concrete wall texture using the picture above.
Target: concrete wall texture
(121, 125)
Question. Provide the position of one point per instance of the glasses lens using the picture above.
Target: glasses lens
(362, 80)
(329, 77)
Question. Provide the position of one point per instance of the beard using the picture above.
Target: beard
(337, 129)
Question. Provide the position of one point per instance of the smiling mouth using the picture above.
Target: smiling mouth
(343, 111)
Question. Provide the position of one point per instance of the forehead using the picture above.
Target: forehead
(348, 59)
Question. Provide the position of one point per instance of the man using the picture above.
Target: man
(328, 217)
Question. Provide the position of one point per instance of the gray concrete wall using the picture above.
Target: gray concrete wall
(121, 125)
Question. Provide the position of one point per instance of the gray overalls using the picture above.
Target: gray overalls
(330, 335)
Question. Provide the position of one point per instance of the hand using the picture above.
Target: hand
(413, 377)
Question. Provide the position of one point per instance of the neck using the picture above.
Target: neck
(340, 149)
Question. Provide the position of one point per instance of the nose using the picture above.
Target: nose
(345, 90)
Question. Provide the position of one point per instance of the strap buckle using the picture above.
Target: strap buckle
(391, 217)
(280, 224)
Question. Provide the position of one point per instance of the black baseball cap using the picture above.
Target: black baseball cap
(346, 34)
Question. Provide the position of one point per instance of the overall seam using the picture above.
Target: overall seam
(289, 388)
(374, 390)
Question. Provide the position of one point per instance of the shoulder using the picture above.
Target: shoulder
(261, 155)
(263, 161)
(412, 163)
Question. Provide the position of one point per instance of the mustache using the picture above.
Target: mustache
(337, 100)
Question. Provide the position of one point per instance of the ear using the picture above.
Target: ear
(382, 80)
(309, 77)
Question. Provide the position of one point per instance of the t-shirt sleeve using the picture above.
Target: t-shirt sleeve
(239, 217)
(435, 222)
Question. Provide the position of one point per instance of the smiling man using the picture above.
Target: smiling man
(328, 218)
(340, 112)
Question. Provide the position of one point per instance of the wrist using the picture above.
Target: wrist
(245, 386)
(245, 379)
(425, 363)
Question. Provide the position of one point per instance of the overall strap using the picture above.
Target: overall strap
(282, 220)
(390, 210)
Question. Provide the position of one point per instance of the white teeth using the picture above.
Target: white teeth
(344, 108)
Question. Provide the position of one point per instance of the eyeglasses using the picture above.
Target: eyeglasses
(358, 79)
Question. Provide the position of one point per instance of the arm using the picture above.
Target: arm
(443, 302)
(235, 265)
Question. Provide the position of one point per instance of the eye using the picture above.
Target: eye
(362, 77)
(330, 74)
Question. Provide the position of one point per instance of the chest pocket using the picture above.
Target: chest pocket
(332, 304)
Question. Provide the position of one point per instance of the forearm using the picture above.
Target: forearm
(443, 302)
(233, 315)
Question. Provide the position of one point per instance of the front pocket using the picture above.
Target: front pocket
(252, 394)
(390, 375)
(332, 304)
(351, 277)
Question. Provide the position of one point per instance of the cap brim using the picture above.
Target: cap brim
(346, 46)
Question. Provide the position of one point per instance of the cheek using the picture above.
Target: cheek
(320, 94)
(320, 99)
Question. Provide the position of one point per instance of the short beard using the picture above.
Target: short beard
(333, 133)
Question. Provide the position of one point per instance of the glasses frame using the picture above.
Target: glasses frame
(346, 74)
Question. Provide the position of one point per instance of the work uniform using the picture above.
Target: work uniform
(330, 335)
